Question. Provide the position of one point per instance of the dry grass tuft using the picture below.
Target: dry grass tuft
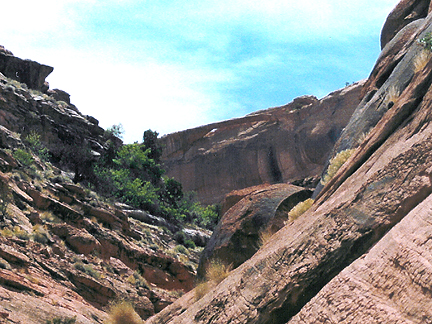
(122, 313)
(299, 209)
(335, 164)
(265, 235)
(393, 94)
(201, 289)
(217, 271)
(421, 60)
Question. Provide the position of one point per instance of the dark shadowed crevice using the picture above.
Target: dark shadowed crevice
(275, 171)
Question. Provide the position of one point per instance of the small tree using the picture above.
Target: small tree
(115, 130)
(172, 192)
(150, 142)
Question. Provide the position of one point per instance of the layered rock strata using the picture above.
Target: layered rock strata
(275, 145)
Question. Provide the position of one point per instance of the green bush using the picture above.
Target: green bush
(181, 249)
(36, 146)
(426, 41)
(189, 244)
(23, 157)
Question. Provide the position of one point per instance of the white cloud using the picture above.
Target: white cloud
(170, 65)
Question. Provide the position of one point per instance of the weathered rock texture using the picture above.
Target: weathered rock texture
(270, 146)
(237, 236)
(63, 252)
(29, 72)
(362, 253)
(25, 107)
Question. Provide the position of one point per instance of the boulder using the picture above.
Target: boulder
(237, 236)
(81, 241)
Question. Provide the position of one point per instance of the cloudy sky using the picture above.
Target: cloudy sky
(169, 65)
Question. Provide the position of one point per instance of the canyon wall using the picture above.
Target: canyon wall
(275, 145)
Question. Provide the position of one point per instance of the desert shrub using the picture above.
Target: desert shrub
(299, 209)
(6, 232)
(181, 249)
(426, 41)
(217, 271)
(49, 217)
(137, 280)
(40, 234)
(335, 164)
(201, 289)
(36, 146)
(189, 244)
(88, 269)
(123, 312)
(23, 157)
(204, 216)
(62, 320)
(20, 233)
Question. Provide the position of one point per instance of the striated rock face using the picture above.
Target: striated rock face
(29, 72)
(64, 251)
(26, 106)
(362, 253)
(389, 284)
(270, 146)
(403, 14)
(237, 236)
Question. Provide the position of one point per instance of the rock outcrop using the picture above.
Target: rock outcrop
(29, 72)
(65, 252)
(275, 145)
(26, 107)
(362, 252)
(239, 234)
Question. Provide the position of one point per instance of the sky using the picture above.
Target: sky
(170, 65)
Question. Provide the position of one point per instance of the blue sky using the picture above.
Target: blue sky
(173, 65)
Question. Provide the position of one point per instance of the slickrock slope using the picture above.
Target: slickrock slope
(362, 252)
(275, 145)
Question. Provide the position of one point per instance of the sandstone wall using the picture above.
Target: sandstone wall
(270, 146)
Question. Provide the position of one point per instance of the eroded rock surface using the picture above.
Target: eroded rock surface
(361, 254)
(237, 236)
(275, 145)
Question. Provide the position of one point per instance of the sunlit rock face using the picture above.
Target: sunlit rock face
(362, 252)
(275, 145)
